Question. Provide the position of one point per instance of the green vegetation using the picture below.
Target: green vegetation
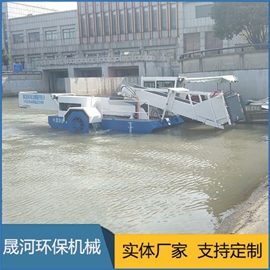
(5, 57)
(247, 18)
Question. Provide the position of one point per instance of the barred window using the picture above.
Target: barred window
(18, 38)
(51, 35)
(69, 33)
(33, 37)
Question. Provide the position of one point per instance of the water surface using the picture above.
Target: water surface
(181, 180)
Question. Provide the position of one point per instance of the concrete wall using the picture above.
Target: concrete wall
(60, 85)
(190, 24)
(250, 67)
(112, 66)
(224, 62)
(30, 51)
(13, 84)
(98, 86)
(252, 84)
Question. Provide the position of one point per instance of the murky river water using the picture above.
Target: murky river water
(181, 180)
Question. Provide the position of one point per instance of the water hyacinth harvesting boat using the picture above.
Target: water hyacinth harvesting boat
(140, 109)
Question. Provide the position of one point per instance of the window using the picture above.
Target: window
(149, 84)
(51, 56)
(83, 25)
(121, 22)
(106, 23)
(191, 42)
(129, 21)
(82, 6)
(165, 84)
(34, 60)
(159, 84)
(66, 106)
(203, 11)
(51, 35)
(98, 21)
(68, 33)
(163, 17)
(179, 83)
(212, 42)
(70, 55)
(19, 60)
(154, 18)
(145, 19)
(4, 27)
(18, 38)
(33, 37)
(91, 25)
(137, 20)
(114, 22)
(173, 16)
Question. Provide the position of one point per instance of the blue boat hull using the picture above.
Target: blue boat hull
(123, 125)
(139, 126)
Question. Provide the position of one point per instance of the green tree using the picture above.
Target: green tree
(5, 57)
(247, 18)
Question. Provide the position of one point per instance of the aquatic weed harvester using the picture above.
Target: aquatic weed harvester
(139, 109)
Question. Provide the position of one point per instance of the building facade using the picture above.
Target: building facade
(113, 38)
(12, 10)
(45, 36)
